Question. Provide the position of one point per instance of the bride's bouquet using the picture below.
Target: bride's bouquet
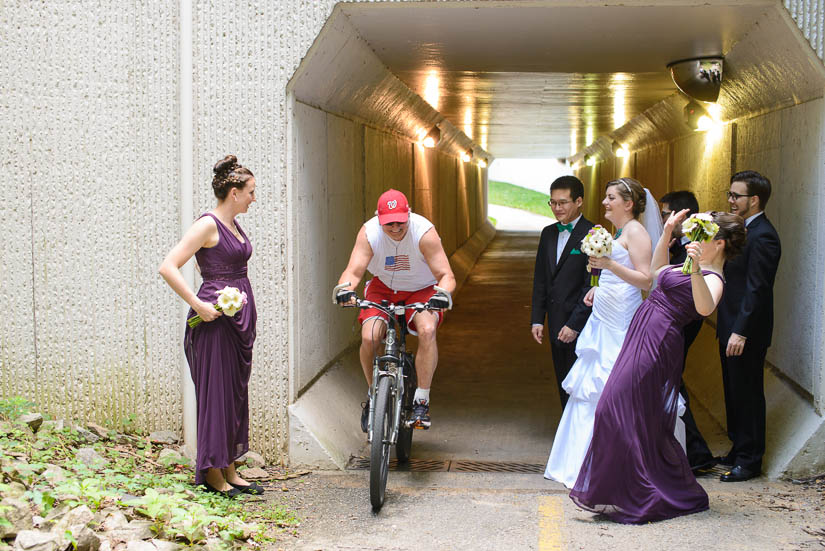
(699, 227)
(598, 242)
(230, 301)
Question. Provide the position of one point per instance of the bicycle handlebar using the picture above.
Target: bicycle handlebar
(390, 308)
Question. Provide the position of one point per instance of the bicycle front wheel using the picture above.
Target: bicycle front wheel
(380, 445)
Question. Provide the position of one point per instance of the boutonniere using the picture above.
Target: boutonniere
(575, 251)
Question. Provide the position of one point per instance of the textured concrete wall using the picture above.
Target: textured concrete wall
(89, 140)
(808, 15)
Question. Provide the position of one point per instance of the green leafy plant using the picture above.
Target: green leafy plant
(179, 510)
(70, 538)
(14, 407)
(89, 491)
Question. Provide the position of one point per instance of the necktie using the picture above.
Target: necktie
(566, 227)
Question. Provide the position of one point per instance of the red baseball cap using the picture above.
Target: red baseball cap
(393, 207)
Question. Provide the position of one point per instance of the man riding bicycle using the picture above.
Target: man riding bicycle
(403, 252)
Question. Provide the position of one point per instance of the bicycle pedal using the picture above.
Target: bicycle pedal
(421, 426)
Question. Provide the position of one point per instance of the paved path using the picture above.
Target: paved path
(494, 399)
(510, 219)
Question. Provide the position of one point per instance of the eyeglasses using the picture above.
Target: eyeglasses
(554, 204)
(737, 196)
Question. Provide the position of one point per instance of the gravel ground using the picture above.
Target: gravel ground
(481, 511)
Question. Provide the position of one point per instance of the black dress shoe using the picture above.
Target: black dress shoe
(738, 474)
(231, 492)
(252, 488)
(726, 460)
(705, 465)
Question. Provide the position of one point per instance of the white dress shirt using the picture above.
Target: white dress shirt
(564, 237)
(749, 219)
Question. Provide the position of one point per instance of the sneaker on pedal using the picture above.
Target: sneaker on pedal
(365, 416)
(421, 415)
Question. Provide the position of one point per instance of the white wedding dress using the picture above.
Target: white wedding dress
(598, 345)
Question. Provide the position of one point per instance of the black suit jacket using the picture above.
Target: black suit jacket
(746, 307)
(559, 288)
(678, 253)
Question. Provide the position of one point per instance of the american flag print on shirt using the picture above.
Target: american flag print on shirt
(397, 263)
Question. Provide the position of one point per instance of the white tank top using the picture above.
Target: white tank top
(399, 264)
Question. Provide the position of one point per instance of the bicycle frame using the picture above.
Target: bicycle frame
(394, 347)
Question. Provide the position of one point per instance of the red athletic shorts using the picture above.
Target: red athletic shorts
(376, 291)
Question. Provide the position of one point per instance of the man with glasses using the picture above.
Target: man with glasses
(560, 278)
(699, 455)
(745, 325)
(403, 252)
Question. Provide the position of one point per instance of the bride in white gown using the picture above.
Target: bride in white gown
(614, 302)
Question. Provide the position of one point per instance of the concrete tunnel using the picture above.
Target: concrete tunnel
(538, 80)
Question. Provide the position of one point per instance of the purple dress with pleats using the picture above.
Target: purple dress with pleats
(635, 470)
(220, 355)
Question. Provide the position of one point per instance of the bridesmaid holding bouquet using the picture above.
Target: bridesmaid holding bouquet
(219, 350)
(635, 471)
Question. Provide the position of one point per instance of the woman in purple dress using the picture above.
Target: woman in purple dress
(219, 350)
(635, 470)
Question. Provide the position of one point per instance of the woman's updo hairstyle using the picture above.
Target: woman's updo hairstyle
(229, 174)
(631, 190)
(732, 230)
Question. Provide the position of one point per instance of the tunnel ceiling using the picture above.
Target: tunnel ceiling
(537, 80)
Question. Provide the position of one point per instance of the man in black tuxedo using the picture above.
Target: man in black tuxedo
(698, 454)
(560, 279)
(745, 325)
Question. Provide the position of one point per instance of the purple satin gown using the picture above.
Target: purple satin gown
(635, 470)
(220, 355)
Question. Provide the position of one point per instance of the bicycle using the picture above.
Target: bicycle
(394, 382)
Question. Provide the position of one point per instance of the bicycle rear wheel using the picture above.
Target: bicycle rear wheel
(380, 445)
(403, 447)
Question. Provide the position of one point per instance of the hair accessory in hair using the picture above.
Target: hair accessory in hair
(626, 186)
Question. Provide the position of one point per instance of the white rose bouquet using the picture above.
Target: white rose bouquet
(699, 227)
(230, 301)
(598, 242)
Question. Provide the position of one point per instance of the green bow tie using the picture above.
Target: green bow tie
(566, 227)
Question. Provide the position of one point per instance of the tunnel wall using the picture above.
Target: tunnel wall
(785, 145)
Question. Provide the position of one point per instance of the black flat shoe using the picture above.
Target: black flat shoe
(738, 474)
(253, 488)
(232, 492)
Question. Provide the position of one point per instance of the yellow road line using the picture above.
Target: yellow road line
(551, 518)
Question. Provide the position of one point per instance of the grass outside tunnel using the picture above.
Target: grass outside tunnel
(508, 195)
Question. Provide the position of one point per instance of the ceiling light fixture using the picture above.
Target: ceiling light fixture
(482, 162)
(620, 150)
(698, 78)
(589, 161)
(432, 138)
(467, 156)
(697, 117)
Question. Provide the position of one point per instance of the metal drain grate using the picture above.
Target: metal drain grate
(457, 465)
(413, 465)
(464, 466)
